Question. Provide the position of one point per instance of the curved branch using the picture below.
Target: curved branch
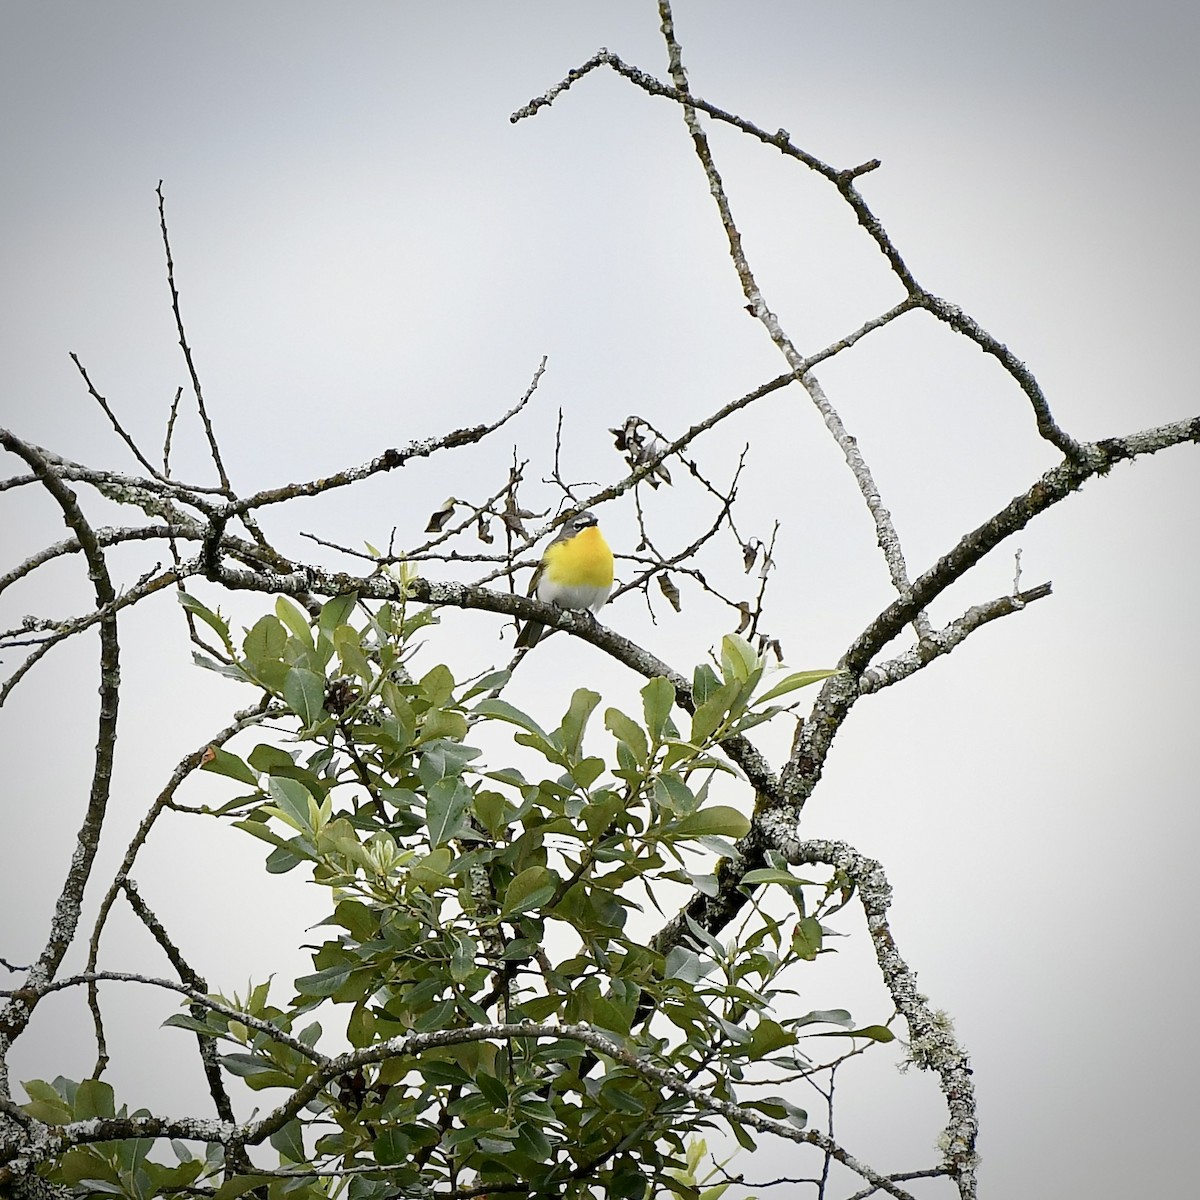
(885, 530)
(941, 642)
(16, 1013)
(183, 769)
(389, 460)
(473, 596)
(802, 772)
(50, 1141)
(105, 536)
(98, 616)
(844, 181)
(192, 993)
(188, 976)
(933, 1046)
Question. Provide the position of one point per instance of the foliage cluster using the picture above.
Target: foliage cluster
(467, 898)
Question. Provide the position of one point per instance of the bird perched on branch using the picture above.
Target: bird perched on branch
(576, 572)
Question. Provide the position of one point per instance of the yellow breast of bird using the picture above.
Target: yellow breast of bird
(577, 573)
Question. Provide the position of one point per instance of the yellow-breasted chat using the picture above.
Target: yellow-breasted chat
(576, 572)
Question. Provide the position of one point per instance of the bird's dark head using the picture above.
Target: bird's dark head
(581, 521)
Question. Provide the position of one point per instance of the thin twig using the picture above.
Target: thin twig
(197, 391)
(108, 412)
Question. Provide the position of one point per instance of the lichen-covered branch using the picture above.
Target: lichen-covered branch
(14, 1016)
(932, 1044)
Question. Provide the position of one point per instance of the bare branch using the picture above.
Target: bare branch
(105, 536)
(939, 643)
(98, 616)
(197, 391)
(886, 535)
(184, 989)
(933, 1046)
(183, 769)
(206, 1046)
(108, 412)
(844, 181)
(14, 1017)
(166, 467)
(389, 460)
(838, 694)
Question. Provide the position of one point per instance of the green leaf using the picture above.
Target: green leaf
(361, 920)
(392, 1146)
(684, 964)
(239, 1185)
(768, 1036)
(833, 1016)
(604, 808)
(587, 770)
(501, 710)
(169, 1179)
(296, 619)
(184, 1021)
(221, 762)
(443, 1073)
(658, 696)
(438, 686)
(743, 1135)
(629, 733)
(877, 1033)
(574, 722)
(336, 612)
(228, 670)
(794, 681)
(267, 639)
(304, 694)
(267, 759)
(446, 809)
(739, 660)
(444, 723)
(289, 1141)
(213, 620)
(773, 875)
(530, 889)
(493, 1091)
(462, 959)
(293, 801)
(493, 810)
(86, 1164)
(348, 644)
(704, 683)
(430, 872)
(708, 716)
(489, 683)
(45, 1103)
(283, 859)
(443, 759)
(532, 1142)
(93, 1098)
(779, 1108)
(717, 820)
(323, 983)
(673, 795)
(806, 938)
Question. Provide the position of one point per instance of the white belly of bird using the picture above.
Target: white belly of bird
(584, 595)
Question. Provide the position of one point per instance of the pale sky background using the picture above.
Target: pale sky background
(368, 252)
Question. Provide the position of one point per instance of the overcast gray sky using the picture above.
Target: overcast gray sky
(368, 252)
